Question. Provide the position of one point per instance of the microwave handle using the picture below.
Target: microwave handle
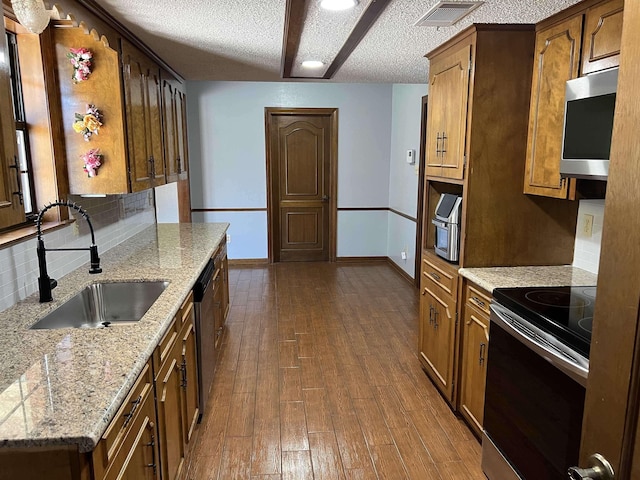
(439, 223)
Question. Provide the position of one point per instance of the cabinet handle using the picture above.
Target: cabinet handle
(482, 349)
(152, 444)
(19, 193)
(438, 144)
(134, 407)
(443, 150)
(431, 310)
(435, 319)
(183, 371)
(478, 302)
(435, 276)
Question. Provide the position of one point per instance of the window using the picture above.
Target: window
(23, 160)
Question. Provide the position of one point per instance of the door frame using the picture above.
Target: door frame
(421, 191)
(272, 210)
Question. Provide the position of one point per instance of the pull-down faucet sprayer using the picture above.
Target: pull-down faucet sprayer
(45, 283)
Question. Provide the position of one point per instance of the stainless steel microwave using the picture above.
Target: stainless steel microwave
(588, 124)
(447, 223)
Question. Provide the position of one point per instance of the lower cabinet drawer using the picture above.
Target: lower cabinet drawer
(118, 436)
(439, 275)
(138, 455)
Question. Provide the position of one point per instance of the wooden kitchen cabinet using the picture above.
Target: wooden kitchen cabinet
(602, 35)
(438, 323)
(556, 60)
(564, 52)
(174, 123)
(137, 132)
(447, 112)
(142, 97)
(176, 384)
(220, 291)
(128, 449)
(499, 225)
(473, 355)
(11, 208)
(191, 410)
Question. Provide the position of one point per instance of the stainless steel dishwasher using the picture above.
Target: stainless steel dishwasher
(203, 296)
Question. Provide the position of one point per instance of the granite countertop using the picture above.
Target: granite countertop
(63, 387)
(544, 276)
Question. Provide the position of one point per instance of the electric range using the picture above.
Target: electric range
(564, 312)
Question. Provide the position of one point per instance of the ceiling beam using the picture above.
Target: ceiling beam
(295, 14)
(366, 21)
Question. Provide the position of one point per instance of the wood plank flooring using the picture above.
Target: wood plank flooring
(318, 378)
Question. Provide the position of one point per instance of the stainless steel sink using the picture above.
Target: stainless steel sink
(104, 304)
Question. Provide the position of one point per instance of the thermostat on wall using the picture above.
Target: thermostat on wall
(411, 157)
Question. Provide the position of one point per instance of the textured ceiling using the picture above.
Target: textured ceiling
(242, 39)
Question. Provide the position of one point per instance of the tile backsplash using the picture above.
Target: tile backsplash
(115, 218)
(587, 247)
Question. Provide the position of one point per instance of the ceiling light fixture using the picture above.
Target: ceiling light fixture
(338, 4)
(312, 64)
(31, 14)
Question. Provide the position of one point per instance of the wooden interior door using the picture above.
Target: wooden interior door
(301, 148)
(610, 425)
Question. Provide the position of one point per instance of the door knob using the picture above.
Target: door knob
(599, 469)
(325, 198)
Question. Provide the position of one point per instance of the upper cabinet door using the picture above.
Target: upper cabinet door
(143, 102)
(11, 208)
(557, 59)
(602, 35)
(182, 141)
(448, 102)
(154, 116)
(135, 92)
(169, 129)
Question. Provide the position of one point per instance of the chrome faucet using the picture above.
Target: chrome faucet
(45, 283)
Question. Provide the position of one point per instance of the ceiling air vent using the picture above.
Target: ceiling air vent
(445, 14)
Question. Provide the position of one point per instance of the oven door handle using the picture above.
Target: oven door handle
(439, 223)
(516, 328)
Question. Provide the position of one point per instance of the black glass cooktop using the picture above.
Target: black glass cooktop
(565, 312)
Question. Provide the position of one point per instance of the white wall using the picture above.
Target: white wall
(586, 254)
(403, 178)
(166, 200)
(114, 218)
(377, 124)
(227, 157)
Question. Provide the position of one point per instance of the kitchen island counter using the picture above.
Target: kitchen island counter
(63, 387)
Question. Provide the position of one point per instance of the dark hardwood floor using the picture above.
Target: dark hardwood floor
(319, 378)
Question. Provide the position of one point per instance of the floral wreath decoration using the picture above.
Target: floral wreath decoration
(92, 160)
(80, 58)
(88, 123)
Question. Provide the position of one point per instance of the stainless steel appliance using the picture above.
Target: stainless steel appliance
(447, 223)
(204, 303)
(538, 362)
(588, 124)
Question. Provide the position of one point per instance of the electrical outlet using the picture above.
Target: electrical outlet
(587, 225)
(228, 238)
